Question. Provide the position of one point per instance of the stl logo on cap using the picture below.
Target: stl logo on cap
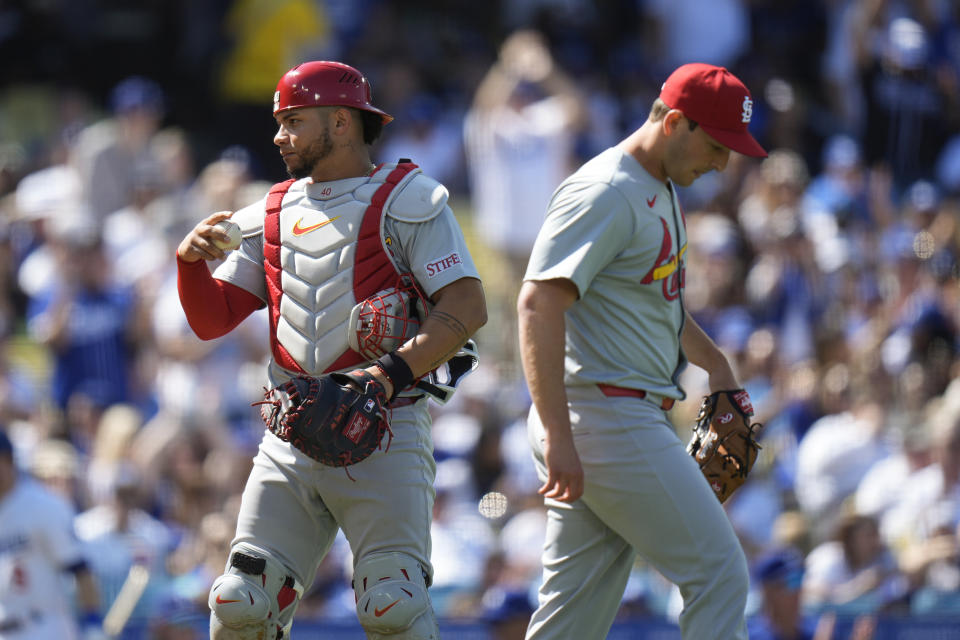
(276, 100)
(715, 99)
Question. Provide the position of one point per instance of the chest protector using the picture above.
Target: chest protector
(321, 257)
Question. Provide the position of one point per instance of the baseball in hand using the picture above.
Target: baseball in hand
(232, 229)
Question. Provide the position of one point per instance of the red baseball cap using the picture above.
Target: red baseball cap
(718, 101)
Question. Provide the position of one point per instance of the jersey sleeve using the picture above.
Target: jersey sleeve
(586, 226)
(435, 250)
(212, 307)
(243, 267)
(59, 538)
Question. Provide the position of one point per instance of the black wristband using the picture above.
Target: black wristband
(396, 370)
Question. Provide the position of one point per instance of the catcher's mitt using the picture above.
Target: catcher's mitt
(724, 443)
(338, 419)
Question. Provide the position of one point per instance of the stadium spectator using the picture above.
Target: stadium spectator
(37, 546)
(109, 153)
(93, 329)
(778, 575)
(854, 573)
(520, 134)
(118, 534)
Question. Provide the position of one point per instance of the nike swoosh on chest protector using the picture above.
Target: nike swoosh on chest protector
(299, 230)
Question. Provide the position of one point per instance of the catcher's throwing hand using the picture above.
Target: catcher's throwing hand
(199, 243)
(338, 419)
(724, 441)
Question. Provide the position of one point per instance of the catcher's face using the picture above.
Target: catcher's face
(304, 140)
(691, 154)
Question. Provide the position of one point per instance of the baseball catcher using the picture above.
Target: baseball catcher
(724, 440)
(347, 257)
(337, 419)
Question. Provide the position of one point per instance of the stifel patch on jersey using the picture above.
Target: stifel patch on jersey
(440, 265)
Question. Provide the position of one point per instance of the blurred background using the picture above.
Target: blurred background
(828, 272)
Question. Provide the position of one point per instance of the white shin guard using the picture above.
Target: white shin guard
(254, 600)
(392, 600)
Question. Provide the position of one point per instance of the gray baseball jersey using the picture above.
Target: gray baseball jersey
(618, 234)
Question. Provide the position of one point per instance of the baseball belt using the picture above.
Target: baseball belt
(612, 391)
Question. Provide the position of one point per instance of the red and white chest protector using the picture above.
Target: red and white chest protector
(322, 255)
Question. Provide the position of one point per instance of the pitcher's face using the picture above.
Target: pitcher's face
(691, 154)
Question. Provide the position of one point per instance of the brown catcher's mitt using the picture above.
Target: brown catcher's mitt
(724, 443)
(337, 419)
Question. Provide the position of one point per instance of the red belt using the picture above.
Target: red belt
(615, 392)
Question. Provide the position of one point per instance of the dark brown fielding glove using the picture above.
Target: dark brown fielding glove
(338, 419)
(724, 440)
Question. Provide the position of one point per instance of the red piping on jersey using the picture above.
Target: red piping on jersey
(373, 269)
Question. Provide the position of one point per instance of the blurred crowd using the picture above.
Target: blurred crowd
(830, 272)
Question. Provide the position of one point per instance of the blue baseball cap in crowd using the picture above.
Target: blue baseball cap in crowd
(5, 445)
(781, 565)
(137, 92)
(500, 605)
(922, 196)
(841, 152)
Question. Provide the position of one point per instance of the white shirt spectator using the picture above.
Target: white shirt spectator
(717, 32)
(517, 158)
(833, 457)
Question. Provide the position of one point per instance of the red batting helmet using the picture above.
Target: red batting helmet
(323, 83)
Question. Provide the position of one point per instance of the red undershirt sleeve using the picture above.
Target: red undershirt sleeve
(213, 307)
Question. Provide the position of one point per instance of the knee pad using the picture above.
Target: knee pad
(392, 598)
(254, 599)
